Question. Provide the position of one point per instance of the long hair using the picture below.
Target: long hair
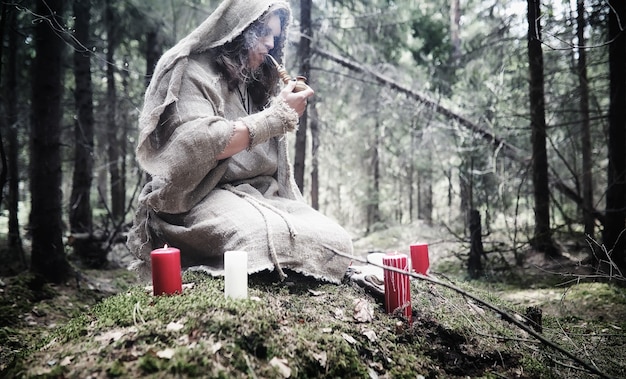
(232, 59)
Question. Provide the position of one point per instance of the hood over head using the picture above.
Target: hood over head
(228, 21)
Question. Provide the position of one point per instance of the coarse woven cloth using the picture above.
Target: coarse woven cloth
(206, 206)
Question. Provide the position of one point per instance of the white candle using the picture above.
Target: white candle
(236, 274)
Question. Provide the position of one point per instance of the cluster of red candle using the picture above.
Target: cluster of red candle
(397, 287)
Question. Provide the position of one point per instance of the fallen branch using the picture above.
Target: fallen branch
(505, 315)
(499, 144)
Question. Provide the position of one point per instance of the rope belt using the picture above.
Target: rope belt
(260, 206)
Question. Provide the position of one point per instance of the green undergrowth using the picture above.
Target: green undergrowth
(304, 329)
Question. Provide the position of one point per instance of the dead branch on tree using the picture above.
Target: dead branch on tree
(499, 144)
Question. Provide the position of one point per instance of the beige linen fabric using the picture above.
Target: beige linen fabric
(247, 202)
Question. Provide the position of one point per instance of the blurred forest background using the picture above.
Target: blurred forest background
(513, 113)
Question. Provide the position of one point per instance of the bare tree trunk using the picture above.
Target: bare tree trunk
(455, 31)
(425, 206)
(542, 238)
(588, 217)
(304, 55)
(88, 249)
(80, 206)
(614, 236)
(373, 201)
(154, 50)
(48, 258)
(117, 182)
(411, 174)
(475, 266)
(11, 95)
(3, 157)
(315, 144)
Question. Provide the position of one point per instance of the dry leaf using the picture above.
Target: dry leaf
(316, 293)
(348, 338)
(67, 361)
(165, 354)
(327, 330)
(110, 336)
(370, 334)
(216, 347)
(174, 326)
(322, 358)
(281, 365)
(338, 312)
(363, 311)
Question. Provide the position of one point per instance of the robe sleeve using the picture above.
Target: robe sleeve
(181, 151)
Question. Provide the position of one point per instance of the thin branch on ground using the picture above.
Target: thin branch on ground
(505, 315)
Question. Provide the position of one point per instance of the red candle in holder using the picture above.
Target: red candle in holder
(419, 258)
(166, 275)
(397, 286)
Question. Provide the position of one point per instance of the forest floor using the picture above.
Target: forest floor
(104, 324)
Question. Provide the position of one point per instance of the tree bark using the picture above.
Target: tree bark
(48, 258)
(88, 250)
(154, 50)
(304, 56)
(455, 31)
(80, 208)
(11, 95)
(475, 266)
(587, 164)
(373, 200)
(614, 236)
(116, 180)
(3, 123)
(425, 202)
(315, 144)
(542, 238)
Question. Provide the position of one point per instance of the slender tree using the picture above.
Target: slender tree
(304, 56)
(14, 254)
(116, 160)
(374, 216)
(80, 213)
(587, 164)
(542, 238)
(614, 236)
(48, 259)
(315, 145)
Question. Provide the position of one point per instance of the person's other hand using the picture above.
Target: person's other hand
(296, 100)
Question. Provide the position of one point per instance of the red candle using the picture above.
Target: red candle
(397, 289)
(419, 258)
(166, 276)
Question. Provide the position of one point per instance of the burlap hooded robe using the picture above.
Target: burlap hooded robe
(247, 202)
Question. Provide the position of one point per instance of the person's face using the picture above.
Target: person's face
(266, 43)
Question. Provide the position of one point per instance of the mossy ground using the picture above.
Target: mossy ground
(303, 329)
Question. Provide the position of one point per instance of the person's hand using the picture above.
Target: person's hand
(296, 100)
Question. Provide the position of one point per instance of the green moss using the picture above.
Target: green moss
(309, 329)
(116, 369)
(150, 364)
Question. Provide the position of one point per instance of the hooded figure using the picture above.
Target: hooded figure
(204, 200)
